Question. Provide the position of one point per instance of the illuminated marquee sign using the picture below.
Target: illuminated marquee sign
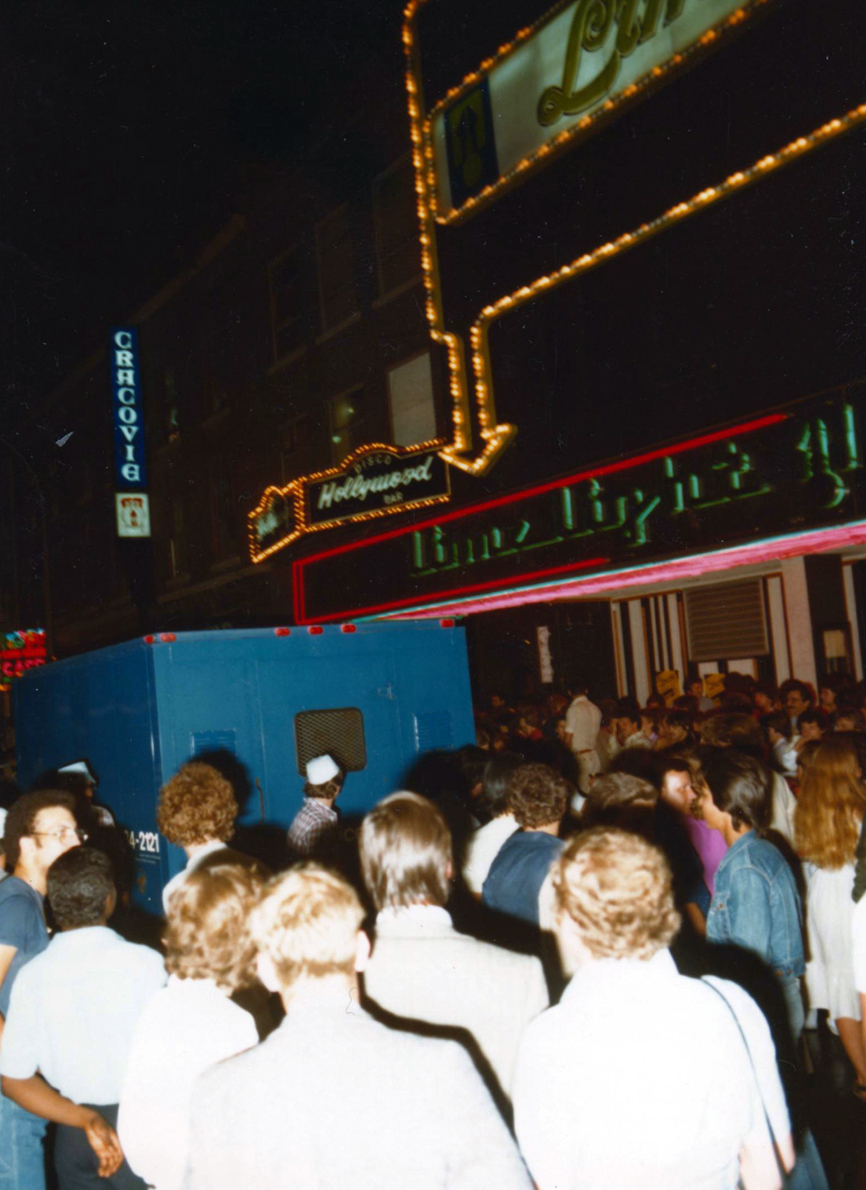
(581, 60)
(477, 437)
(19, 652)
(379, 480)
(799, 467)
(132, 511)
(373, 481)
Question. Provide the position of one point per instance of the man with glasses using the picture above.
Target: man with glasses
(39, 828)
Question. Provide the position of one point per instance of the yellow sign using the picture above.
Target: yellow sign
(668, 685)
(714, 685)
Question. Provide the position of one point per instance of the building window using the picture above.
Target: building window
(337, 291)
(410, 393)
(348, 423)
(284, 279)
(296, 439)
(396, 219)
(223, 509)
(177, 540)
(172, 417)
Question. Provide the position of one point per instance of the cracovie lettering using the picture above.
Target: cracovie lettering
(636, 21)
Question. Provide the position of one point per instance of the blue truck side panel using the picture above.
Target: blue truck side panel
(139, 711)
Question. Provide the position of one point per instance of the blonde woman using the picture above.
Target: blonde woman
(827, 825)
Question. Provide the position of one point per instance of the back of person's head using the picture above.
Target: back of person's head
(813, 715)
(742, 787)
(406, 856)
(734, 731)
(616, 889)
(495, 782)
(197, 805)
(207, 932)
(306, 924)
(622, 800)
(638, 762)
(470, 761)
(830, 805)
(578, 685)
(806, 755)
(686, 703)
(779, 722)
(21, 818)
(537, 796)
(81, 888)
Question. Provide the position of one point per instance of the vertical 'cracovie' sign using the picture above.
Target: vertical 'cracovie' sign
(133, 512)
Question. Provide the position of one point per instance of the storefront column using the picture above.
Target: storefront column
(799, 618)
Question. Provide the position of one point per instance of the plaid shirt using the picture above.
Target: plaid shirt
(312, 822)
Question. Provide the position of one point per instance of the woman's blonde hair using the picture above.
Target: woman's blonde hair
(617, 889)
(207, 933)
(830, 806)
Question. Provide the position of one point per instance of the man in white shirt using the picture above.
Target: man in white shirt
(582, 723)
(334, 1099)
(640, 1076)
(71, 1020)
(421, 968)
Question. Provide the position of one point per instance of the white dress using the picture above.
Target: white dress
(829, 917)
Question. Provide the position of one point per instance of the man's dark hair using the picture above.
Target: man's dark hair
(470, 761)
(627, 708)
(79, 884)
(537, 796)
(623, 800)
(812, 716)
(21, 818)
(735, 731)
(740, 785)
(778, 721)
(497, 777)
(804, 691)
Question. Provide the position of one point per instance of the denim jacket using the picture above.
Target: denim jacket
(756, 905)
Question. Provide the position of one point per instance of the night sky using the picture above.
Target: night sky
(128, 130)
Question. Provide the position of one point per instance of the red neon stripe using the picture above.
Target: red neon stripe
(488, 586)
(747, 427)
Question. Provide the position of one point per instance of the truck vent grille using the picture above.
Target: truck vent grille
(338, 732)
(726, 621)
(433, 730)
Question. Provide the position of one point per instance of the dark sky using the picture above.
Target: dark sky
(126, 129)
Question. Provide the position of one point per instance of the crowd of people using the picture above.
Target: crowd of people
(581, 952)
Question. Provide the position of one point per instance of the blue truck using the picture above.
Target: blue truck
(374, 695)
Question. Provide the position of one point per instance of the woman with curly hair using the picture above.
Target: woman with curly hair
(827, 825)
(197, 810)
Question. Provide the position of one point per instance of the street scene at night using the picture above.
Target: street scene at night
(433, 595)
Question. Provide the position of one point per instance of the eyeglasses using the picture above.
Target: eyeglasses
(65, 832)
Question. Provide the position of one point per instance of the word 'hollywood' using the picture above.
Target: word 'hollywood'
(356, 487)
(618, 506)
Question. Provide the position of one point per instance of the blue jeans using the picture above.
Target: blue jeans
(22, 1153)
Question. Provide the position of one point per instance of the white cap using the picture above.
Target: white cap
(322, 769)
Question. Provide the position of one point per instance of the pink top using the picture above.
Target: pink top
(710, 846)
